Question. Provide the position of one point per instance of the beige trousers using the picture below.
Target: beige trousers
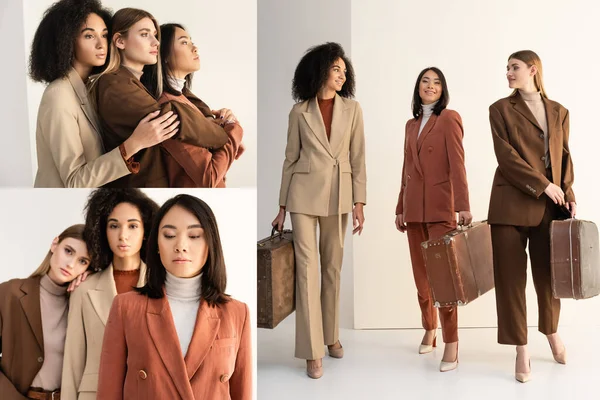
(317, 308)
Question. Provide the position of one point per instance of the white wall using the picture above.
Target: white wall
(226, 40)
(470, 41)
(286, 29)
(31, 218)
(15, 168)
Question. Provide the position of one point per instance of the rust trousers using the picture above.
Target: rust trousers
(418, 233)
(510, 276)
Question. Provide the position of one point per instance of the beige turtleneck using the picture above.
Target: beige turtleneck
(137, 74)
(183, 295)
(536, 105)
(427, 110)
(54, 309)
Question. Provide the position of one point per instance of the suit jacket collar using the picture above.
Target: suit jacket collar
(164, 335)
(552, 111)
(415, 141)
(30, 303)
(426, 129)
(339, 123)
(105, 291)
(82, 95)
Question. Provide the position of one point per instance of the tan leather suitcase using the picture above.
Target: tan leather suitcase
(276, 296)
(460, 267)
(574, 259)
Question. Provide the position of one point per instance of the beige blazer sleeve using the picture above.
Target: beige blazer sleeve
(292, 153)
(75, 348)
(60, 131)
(357, 158)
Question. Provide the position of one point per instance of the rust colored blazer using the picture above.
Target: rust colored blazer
(21, 337)
(520, 178)
(434, 179)
(122, 102)
(193, 166)
(142, 359)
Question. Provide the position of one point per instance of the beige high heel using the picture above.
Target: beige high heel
(336, 352)
(561, 357)
(314, 368)
(523, 376)
(428, 348)
(449, 366)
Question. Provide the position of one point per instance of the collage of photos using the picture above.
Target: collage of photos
(278, 200)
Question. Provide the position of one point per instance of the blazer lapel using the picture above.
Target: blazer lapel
(426, 130)
(339, 124)
(30, 303)
(314, 119)
(552, 111)
(81, 92)
(205, 332)
(520, 106)
(163, 334)
(103, 295)
(412, 144)
(554, 140)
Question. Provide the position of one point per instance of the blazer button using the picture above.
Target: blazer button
(40, 359)
(224, 378)
(143, 374)
(543, 158)
(408, 176)
(541, 135)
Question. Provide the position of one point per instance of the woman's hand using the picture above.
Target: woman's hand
(279, 220)
(358, 218)
(571, 206)
(150, 131)
(224, 116)
(555, 193)
(400, 224)
(77, 281)
(465, 218)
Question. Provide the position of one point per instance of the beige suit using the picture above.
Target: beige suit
(321, 181)
(89, 308)
(69, 147)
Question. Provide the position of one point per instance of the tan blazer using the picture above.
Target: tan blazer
(89, 307)
(142, 359)
(518, 190)
(21, 337)
(68, 143)
(324, 177)
(434, 179)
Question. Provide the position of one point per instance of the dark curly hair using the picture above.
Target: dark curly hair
(101, 202)
(313, 71)
(53, 47)
(214, 275)
(417, 103)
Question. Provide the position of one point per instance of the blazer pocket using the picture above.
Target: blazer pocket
(345, 167)
(441, 182)
(302, 167)
(89, 383)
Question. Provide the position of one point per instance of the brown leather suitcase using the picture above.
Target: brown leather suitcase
(574, 259)
(459, 265)
(276, 296)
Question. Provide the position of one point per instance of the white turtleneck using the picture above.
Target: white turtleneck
(183, 295)
(427, 110)
(176, 83)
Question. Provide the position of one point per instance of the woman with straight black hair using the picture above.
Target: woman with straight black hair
(180, 335)
(434, 190)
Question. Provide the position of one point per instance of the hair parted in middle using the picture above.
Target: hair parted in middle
(417, 103)
(214, 275)
(313, 71)
(101, 202)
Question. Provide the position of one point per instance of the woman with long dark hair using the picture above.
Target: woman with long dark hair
(323, 180)
(180, 335)
(434, 190)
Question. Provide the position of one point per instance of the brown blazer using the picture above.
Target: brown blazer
(434, 179)
(142, 359)
(122, 102)
(192, 166)
(21, 334)
(520, 178)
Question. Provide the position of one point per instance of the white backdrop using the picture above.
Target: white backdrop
(226, 40)
(31, 218)
(470, 41)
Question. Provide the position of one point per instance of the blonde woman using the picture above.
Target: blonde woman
(33, 320)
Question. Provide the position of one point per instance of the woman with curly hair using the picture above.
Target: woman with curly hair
(33, 320)
(117, 224)
(323, 179)
(69, 45)
(179, 336)
(188, 165)
(122, 100)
